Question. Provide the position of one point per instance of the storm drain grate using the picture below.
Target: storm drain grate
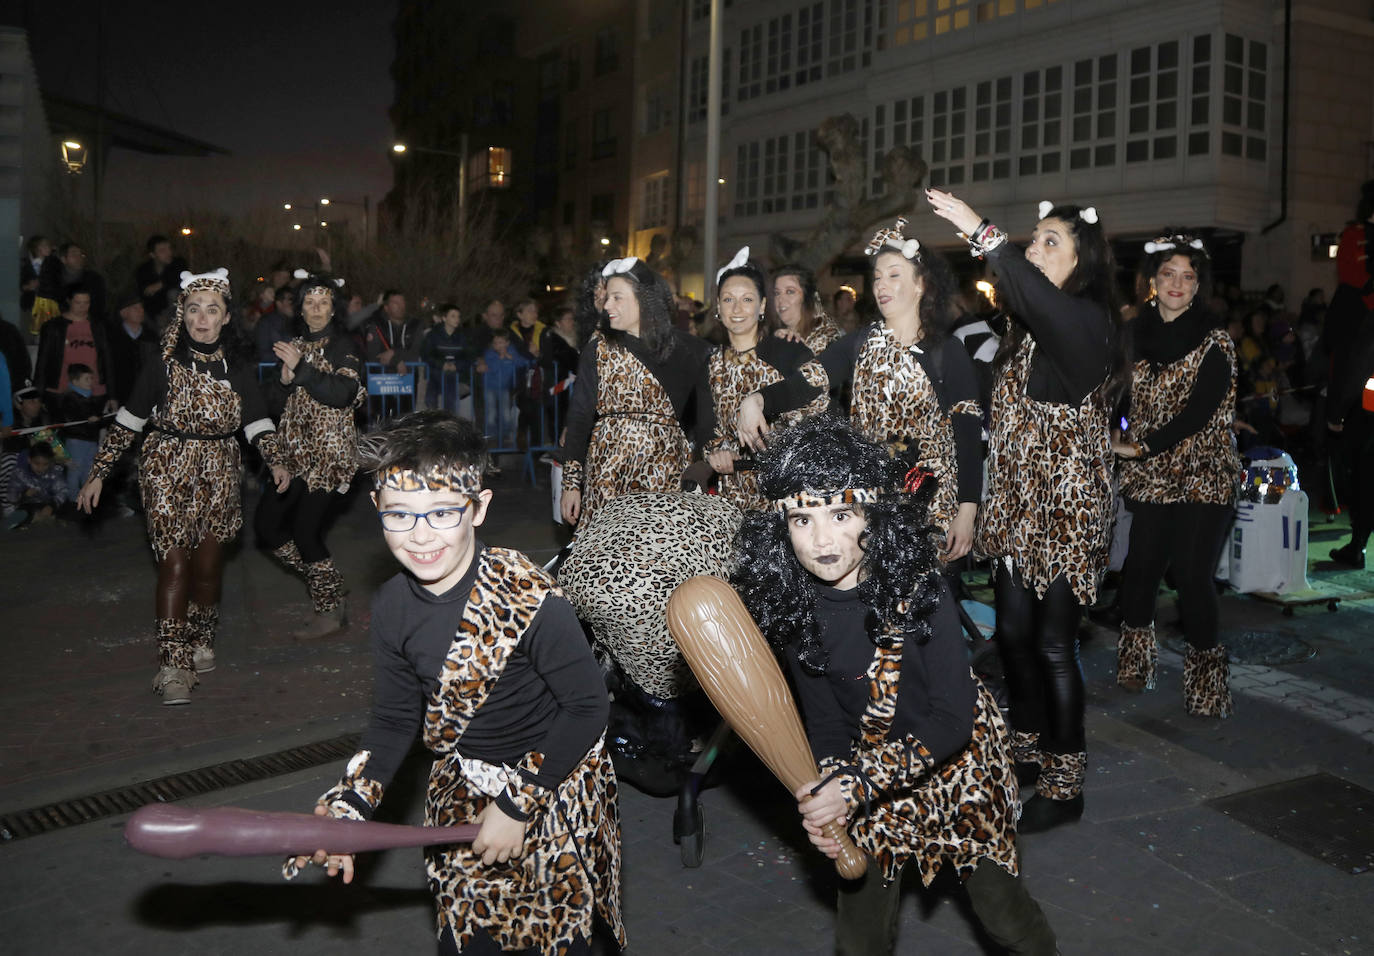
(177, 786)
(1324, 816)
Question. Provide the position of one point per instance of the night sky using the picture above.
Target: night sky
(297, 90)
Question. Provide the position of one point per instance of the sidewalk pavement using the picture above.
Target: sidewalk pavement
(1152, 868)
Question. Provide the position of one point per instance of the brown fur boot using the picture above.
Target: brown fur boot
(1206, 683)
(1137, 653)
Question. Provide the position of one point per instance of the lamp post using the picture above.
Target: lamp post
(365, 206)
(401, 149)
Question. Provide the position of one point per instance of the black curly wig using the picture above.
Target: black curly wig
(900, 583)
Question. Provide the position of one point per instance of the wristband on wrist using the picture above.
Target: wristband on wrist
(984, 239)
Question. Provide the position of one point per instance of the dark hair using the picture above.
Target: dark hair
(422, 441)
(338, 300)
(1365, 207)
(524, 302)
(1093, 278)
(283, 292)
(900, 583)
(500, 333)
(237, 347)
(75, 289)
(844, 290)
(67, 247)
(444, 308)
(40, 449)
(588, 316)
(493, 301)
(33, 243)
(563, 310)
(937, 291)
(657, 310)
(1200, 261)
(812, 307)
(755, 275)
(386, 295)
(154, 241)
(79, 368)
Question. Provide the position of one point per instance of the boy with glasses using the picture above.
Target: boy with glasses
(477, 648)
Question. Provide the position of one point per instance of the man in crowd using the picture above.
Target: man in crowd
(68, 269)
(159, 276)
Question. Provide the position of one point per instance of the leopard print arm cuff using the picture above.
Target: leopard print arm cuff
(112, 449)
(896, 763)
(353, 792)
(269, 448)
(572, 476)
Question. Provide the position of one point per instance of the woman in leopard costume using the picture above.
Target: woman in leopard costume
(750, 360)
(641, 401)
(318, 385)
(192, 405)
(841, 576)
(797, 302)
(1179, 470)
(1047, 520)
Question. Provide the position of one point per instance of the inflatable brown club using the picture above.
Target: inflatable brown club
(735, 667)
(160, 829)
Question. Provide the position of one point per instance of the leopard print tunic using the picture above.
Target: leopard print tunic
(1049, 506)
(626, 565)
(895, 404)
(734, 375)
(320, 443)
(1203, 467)
(959, 813)
(190, 485)
(637, 443)
(571, 865)
(822, 334)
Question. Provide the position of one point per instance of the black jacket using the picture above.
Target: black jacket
(52, 346)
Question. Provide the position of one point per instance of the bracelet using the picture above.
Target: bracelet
(985, 238)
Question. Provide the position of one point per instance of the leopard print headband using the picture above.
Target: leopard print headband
(466, 480)
(807, 498)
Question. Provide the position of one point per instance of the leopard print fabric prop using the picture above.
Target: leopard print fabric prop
(734, 375)
(956, 814)
(824, 499)
(636, 444)
(571, 865)
(320, 443)
(894, 404)
(627, 563)
(1049, 505)
(1204, 467)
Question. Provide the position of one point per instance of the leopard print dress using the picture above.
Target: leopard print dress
(570, 868)
(319, 443)
(189, 468)
(895, 404)
(1204, 467)
(734, 375)
(1049, 506)
(637, 443)
(957, 814)
(822, 335)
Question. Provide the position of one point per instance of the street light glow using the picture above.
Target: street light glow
(398, 147)
(721, 181)
(186, 230)
(286, 205)
(323, 223)
(70, 144)
(296, 226)
(605, 241)
(324, 201)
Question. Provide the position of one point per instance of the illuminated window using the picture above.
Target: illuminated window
(498, 167)
(1094, 113)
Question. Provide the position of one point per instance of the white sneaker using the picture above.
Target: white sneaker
(204, 658)
(174, 684)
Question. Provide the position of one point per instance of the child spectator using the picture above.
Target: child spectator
(477, 650)
(445, 351)
(28, 413)
(502, 378)
(39, 489)
(76, 404)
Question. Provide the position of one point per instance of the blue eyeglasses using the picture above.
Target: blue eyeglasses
(440, 519)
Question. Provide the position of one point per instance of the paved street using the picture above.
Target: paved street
(1152, 868)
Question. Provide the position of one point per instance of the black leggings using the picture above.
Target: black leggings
(483, 945)
(1186, 537)
(1355, 452)
(189, 575)
(1038, 641)
(297, 515)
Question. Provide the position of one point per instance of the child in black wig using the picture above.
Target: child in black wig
(841, 577)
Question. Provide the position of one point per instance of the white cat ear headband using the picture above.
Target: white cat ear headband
(885, 239)
(619, 267)
(741, 259)
(1164, 243)
(205, 279)
(1088, 213)
(327, 285)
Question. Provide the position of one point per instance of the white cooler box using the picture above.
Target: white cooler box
(1267, 547)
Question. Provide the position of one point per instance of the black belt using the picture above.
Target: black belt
(191, 436)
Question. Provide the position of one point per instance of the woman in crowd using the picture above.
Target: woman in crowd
(641, 400)
(192, 405)
(1048, 517)
(913, 389)
(1180, 470)
(797, 302)
(318, 384)
(752, 359)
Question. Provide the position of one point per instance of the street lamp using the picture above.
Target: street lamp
(286, 206)
(74, 156)
(462, 157)
(186, 230)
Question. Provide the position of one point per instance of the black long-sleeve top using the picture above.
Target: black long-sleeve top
(936, 695)
(794, 391)
(1075, 337)
(683, 377)
(550, 697)
(1163, 343)
(151, 387)
(332, 389)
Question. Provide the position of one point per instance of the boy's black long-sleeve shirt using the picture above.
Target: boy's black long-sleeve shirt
(935, 697)
(550, 697)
